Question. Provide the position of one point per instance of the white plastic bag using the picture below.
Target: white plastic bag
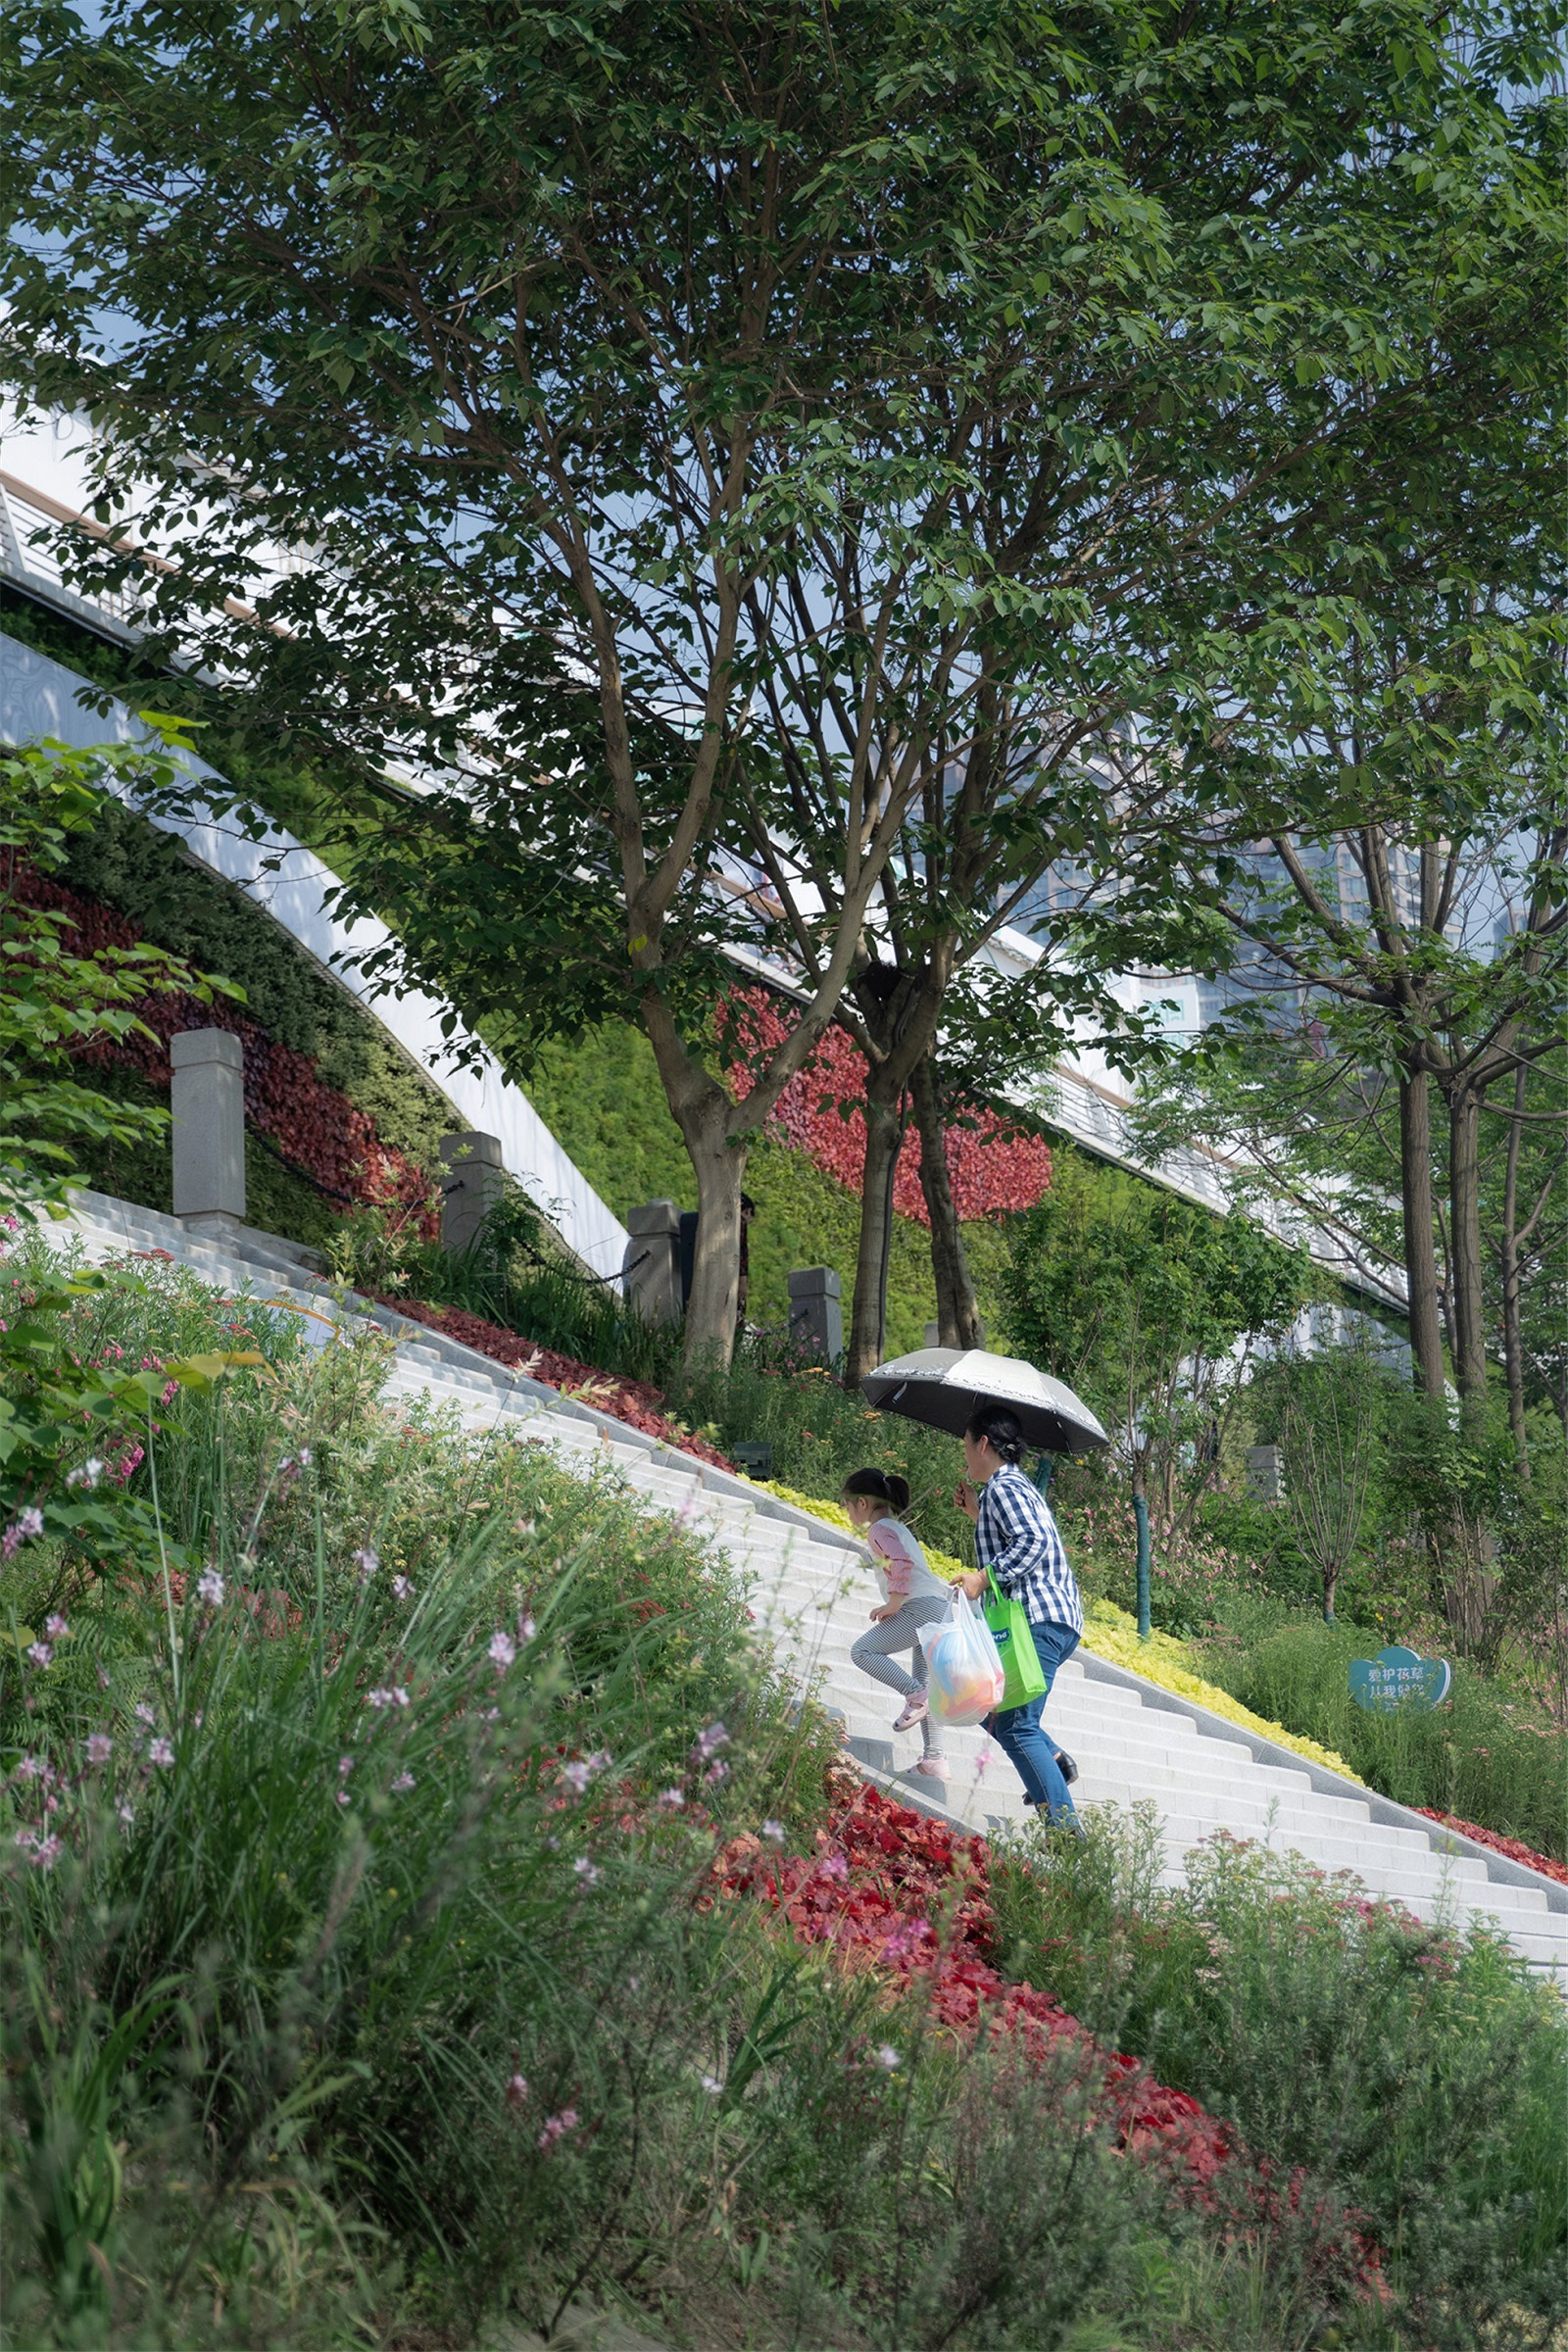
(964, 1680)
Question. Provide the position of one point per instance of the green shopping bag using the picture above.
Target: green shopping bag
(1025, 1677)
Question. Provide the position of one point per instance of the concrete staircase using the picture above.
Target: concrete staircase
(810, 1592)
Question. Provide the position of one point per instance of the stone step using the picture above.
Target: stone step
(810, 1588)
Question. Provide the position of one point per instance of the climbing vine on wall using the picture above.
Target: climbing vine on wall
(993, 1167)
(312, 1125)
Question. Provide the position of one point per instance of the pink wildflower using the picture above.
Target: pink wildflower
(100, 1747)
(404, 1780)
(671, 1799)
(26, 1524)
(56, 1627)
(210, 1588)
(161, 1752)
(503, 1651)
(367, 1562)
(400, 1587)
(588, 1872)
(774, 1829)
(516, 2091)
(556, 2128)
(86, 1474)
(39, 1652)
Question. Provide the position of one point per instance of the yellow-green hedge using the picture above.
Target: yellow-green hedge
(1112, 1635)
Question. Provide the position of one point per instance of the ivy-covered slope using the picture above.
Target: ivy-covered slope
(601, 1098)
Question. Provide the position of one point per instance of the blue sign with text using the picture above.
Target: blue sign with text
(1398, 1678)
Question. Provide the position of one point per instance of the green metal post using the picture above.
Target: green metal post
(1141, 1515)
(1045, 1463)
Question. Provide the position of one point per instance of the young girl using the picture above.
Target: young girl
(912, 1595)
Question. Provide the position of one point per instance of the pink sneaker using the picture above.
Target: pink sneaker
(915, 1710)
(935, 1768)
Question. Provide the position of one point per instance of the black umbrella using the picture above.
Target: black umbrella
(943, 1386)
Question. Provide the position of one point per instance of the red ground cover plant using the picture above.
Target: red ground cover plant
(993, 1167)
(631, 1400)
(893, 1891)
(315, 1127)
(1514, 1848)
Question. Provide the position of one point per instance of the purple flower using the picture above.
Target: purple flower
(345, 1765)
(404, 1780)
(56, 1627)
(161, 1752)
(716, 1774)
(26, 1524)
(143, 1712)
(392, 1696)
(400, 1587)
(503, 1651)
(367, 1562)
(39, 1652)
(834, 1866)
(342, 1796)
(46, 1854)
(556, 2128)
(33, 1768)
(710, 1742)
(100, 1747)
(576, 1776)
(516, 2091)
(526, 1628)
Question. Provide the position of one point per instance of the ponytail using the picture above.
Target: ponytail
(881, 1485)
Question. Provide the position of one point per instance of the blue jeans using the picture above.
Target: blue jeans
(1018, 1733)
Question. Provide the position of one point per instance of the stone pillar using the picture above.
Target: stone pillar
(817, 1315)
(1265, 1473)
(651, 1266)
(207, 1093)
(472, 1180)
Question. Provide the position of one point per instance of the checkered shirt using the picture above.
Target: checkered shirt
(1016, 1538)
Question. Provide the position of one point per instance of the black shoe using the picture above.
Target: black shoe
(1066, 1767)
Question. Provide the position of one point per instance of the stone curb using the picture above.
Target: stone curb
(1383, 1809)
(518, 1386)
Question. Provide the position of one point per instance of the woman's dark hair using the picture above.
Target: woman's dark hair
(1002, 1427)
(882, 1486)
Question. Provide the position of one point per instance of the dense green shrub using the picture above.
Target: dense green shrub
(1416, 2075)
(1487, 1754)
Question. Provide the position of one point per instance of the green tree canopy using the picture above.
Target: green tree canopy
(672, 417)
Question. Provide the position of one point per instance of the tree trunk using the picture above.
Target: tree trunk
(958, 1309)
(1513, 1335)
(1464, 1252)
(884, 1136)
(703, 1112)
(900, 1011)
(1420, 1257)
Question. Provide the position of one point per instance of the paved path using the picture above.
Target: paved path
(810, 1591)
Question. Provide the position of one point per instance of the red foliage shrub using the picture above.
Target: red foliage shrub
(992, 1167)
(1514, 1848)
(632, 1400)
(314, 1126)
(890, 1890)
